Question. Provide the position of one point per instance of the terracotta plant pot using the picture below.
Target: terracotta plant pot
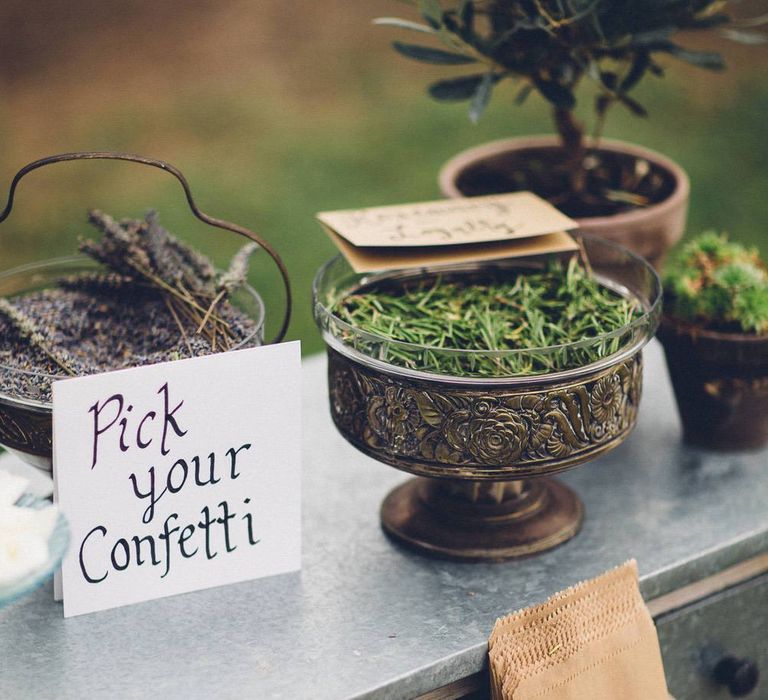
(649, 231)
(721, 385)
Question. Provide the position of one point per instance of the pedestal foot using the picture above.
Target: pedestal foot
(481, 521)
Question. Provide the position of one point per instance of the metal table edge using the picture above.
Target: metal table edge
(474, 659)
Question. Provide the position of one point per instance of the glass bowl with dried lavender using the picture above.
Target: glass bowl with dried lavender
(478, 377)
(134, 296)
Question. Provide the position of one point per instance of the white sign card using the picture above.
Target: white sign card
(179, 476)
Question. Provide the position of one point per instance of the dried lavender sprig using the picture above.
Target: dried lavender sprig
(25, 327)
(120, 247)
(235, 277)
(146, 251)
(129, 244)
(97, 281)
(174, 261)
(237, 273)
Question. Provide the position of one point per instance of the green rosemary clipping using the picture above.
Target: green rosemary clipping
(542, 311)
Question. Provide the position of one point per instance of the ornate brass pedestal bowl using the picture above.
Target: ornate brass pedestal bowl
(26, 418)
(484, 448)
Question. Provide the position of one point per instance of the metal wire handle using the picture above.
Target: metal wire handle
(167, 167)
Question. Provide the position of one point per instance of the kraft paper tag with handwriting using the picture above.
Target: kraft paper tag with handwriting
(449, 231)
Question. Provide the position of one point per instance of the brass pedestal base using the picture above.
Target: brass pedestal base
(481, 521)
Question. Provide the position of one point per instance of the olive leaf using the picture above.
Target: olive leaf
(466, 14)
(426, 54)
(481, 97)
(431, 11)
(637, 70)
(633, 105)
(742, 36)
(456, 89)
(703, 59)
(403, 24)
(523, 93)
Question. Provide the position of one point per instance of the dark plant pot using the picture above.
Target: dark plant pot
(648, 231)
(721, 385)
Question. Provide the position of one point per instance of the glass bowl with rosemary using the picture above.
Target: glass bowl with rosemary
(479, 377)
(134, 296)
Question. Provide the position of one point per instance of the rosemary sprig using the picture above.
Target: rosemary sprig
(524, 310)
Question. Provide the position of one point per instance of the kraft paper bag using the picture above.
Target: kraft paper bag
(595, 641)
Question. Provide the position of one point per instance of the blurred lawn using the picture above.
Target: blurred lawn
(269, 157)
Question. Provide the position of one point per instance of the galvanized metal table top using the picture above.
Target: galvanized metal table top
(366, 619)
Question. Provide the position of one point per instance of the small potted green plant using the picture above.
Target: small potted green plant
(715, 335)
(616, 190)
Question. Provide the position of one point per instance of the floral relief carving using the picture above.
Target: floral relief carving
(406, 420)
(394, 419)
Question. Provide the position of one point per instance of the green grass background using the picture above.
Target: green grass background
(350, 127)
